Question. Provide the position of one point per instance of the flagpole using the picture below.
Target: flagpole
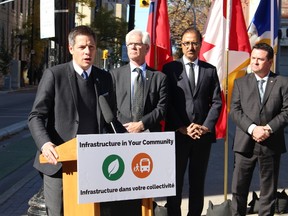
(155, 57)
(228, 16)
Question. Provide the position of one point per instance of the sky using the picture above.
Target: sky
(141, 16)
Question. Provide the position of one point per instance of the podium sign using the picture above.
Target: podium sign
(125, 166)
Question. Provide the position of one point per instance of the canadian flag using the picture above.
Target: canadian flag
(226, 46)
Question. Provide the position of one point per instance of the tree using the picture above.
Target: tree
(184, 14)
(5, 56)
(110, 31)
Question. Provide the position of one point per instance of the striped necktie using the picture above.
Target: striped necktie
(261, 89)
(84, 75)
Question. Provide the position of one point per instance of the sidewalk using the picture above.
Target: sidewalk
(14, 201)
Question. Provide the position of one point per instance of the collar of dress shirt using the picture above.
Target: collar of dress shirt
(259, 78)
(79, 70)
(142, 67)
(186, 61)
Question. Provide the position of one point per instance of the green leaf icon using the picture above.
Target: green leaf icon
(113, 167)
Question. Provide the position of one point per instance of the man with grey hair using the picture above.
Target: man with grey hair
(141, 96)
(153, 85)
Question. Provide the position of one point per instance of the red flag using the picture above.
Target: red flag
(217, 41)
(159, 30)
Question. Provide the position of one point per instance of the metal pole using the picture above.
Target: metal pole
(131, 15)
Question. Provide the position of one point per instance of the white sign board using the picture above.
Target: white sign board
(125, 166)
(47, 19)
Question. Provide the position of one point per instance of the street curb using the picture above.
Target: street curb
(12, 129)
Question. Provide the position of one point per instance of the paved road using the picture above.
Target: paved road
(15, 105)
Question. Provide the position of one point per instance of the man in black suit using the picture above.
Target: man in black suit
(193, 110)
(67, 104)
(259, 108)
(153, 98)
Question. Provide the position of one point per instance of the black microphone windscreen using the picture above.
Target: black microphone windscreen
(106, 110)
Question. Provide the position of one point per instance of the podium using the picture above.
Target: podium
(68, 156)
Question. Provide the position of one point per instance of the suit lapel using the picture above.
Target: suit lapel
(127, 79)
(97, 83)
(72, 83)
(201, 74)
(184, 81)
(254, 88)
(269, 86)
(147, 83)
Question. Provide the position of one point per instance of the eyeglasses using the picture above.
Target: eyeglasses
(188, 44)
(134, 44)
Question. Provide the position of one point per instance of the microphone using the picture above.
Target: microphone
(109, 117)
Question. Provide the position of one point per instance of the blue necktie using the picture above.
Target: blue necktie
(84, 75)
(261, 89)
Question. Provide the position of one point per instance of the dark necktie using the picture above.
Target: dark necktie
(84, 75)
(192, 76)
(138, 98)
(261, 89)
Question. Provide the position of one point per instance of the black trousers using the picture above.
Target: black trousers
(195, 153)
(117, 208)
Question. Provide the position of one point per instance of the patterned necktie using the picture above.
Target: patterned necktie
(192, 76)
(84, 75)
(138, 98)
(261, 89)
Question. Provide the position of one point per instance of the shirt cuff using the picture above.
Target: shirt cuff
(251, 128)
(44, 145)
(270, 129)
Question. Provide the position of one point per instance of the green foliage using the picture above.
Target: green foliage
(109, 29)
(184, 14)
(5, 57)
(111, 32)
(31, 37)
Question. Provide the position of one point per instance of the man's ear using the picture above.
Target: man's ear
(70, 48)
(147, 48)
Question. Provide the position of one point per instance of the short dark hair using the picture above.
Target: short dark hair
(265, 47)
(194, 30)
(80, 30)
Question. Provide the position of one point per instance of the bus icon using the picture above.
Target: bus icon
(145, 165)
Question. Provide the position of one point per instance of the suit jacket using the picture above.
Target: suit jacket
(203, 106)
(54, 116)
(246, 109)
(155, 97)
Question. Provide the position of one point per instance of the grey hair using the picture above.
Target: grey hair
(145, 36)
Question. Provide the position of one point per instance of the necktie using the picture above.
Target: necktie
(192, 76)
(138, 99)
(84, 75)
(261, 89)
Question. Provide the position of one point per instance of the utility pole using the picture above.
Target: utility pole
(131, 15)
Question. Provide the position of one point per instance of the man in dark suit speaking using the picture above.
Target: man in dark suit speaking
(259, 108)
(67, 104)
(193, 110)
